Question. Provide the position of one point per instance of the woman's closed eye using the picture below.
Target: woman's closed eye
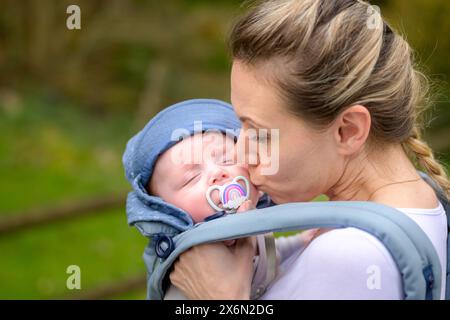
(228, 160)
(223, 158)
(262, 137)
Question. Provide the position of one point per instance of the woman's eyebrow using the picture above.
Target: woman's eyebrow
(245, 118)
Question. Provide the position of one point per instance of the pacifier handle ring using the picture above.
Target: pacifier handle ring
(208, 197)
(247, 185)
(220, 190)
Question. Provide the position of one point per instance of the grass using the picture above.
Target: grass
(34, 263)
(50, 153)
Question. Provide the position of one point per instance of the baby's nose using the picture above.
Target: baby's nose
(218, 177)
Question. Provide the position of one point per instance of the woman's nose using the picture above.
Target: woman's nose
(219, 175)
(245, 153)
(240, 150)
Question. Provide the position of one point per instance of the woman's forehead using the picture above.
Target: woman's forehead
(254, 98)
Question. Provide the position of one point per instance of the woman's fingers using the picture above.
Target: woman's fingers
(246, 247)
(213, 271)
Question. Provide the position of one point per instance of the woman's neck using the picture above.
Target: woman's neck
(365, 173)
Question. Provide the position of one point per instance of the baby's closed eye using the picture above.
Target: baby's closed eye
(191, 179)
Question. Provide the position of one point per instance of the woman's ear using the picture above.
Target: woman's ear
(351, 129)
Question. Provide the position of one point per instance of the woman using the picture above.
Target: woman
(342, 88)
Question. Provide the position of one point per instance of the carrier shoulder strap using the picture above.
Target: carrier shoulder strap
(409, 246)
(446, 204)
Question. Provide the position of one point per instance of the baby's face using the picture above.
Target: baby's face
(183, 173)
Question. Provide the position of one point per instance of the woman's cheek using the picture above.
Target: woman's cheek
(254, 195)
(256, 175)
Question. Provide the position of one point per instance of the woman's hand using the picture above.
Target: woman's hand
(215, 271)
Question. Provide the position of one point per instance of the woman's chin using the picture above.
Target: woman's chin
(276, 198)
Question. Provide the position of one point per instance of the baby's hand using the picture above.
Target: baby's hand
(229, 243)
(245, 206)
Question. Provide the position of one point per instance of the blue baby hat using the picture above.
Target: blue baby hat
(155, 218)
(143, 150)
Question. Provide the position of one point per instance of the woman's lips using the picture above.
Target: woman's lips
(259, 187)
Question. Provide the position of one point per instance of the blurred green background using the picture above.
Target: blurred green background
(70, 99)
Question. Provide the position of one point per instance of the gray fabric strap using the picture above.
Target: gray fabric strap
(260, 264)
(272, 263)
(446, 204)
(266, 265)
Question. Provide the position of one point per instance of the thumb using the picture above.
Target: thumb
(245, 247)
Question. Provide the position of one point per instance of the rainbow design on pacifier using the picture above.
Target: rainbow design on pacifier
(231, 195)
(232, 192)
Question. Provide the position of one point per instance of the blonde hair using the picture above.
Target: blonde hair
(331, 54)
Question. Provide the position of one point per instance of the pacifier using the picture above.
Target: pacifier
(231, 195)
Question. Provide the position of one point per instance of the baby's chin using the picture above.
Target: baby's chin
(201, 216)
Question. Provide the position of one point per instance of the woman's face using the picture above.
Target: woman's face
(307, 161)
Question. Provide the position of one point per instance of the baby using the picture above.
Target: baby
(183, 182)
(194, 173)
(190, 186)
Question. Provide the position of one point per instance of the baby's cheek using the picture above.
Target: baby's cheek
(198, 207)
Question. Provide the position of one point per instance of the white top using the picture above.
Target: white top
(349, 263)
